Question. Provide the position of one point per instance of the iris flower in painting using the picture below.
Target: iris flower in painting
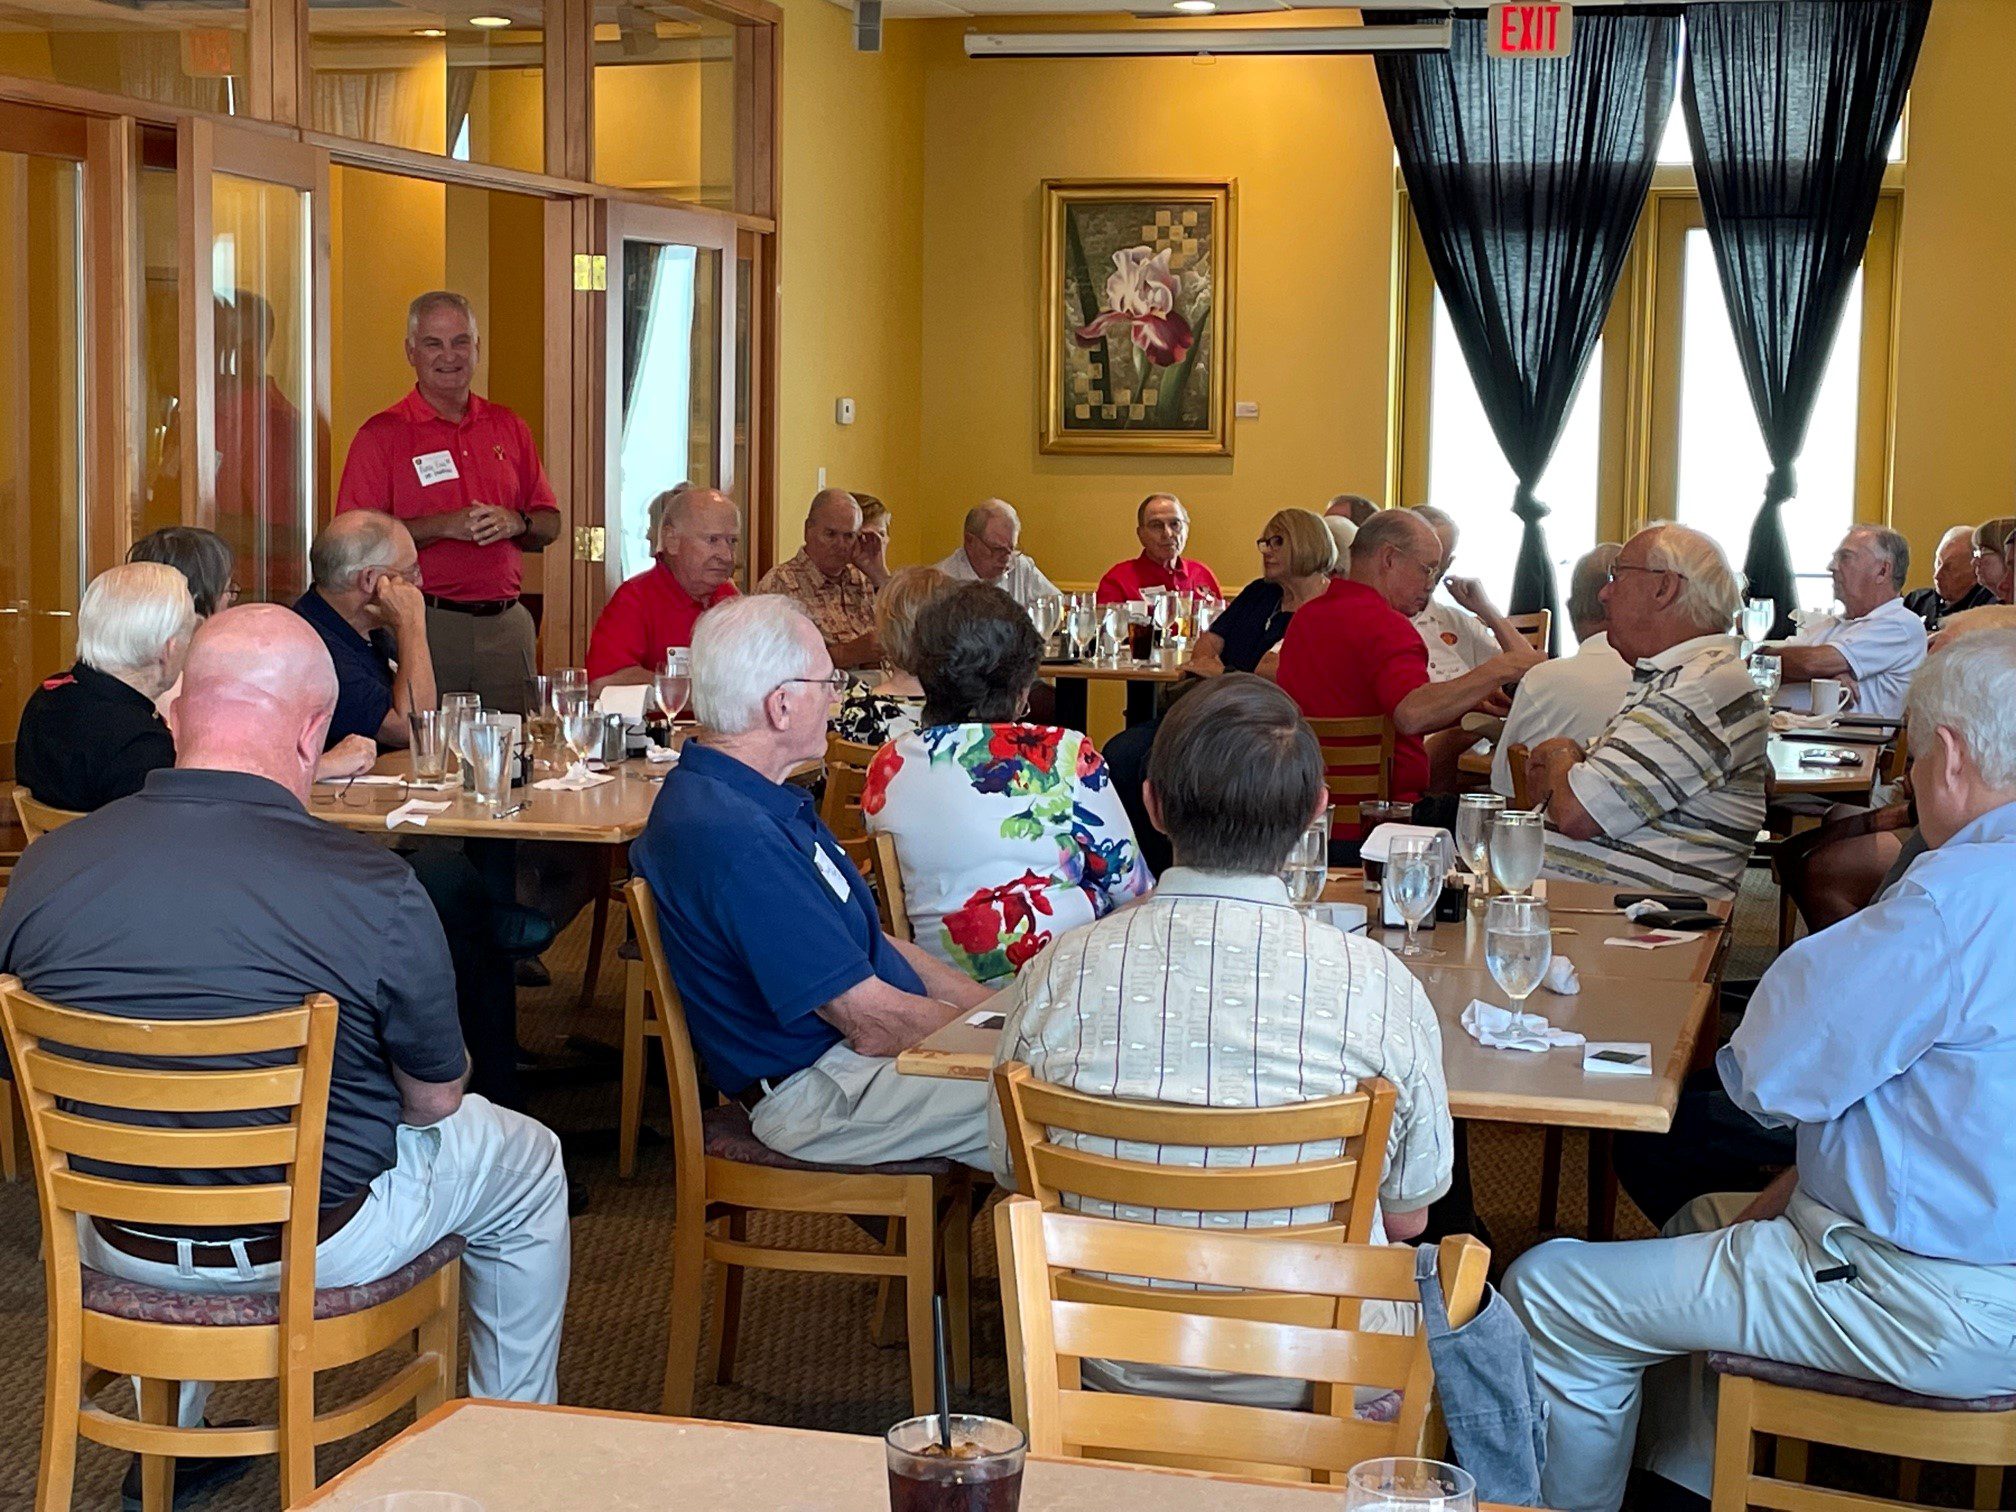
(1141, 294)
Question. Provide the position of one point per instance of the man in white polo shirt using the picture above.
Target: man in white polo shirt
(1875, 644)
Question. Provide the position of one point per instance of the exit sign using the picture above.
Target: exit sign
(1529, 30)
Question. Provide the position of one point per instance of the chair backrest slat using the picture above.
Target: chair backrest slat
(155, 1092)
(1217, 1190)
(1357, 765)
(255, 1034)
(841, 810)
(1143, 1336)
(223, 1207)
(180, 1149)
(885, 876)
(1043, 1103)
(682, 1066)
(1534, 627)
(38, 818)
(1219, 1430)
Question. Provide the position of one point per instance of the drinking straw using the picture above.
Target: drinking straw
(944, 1387)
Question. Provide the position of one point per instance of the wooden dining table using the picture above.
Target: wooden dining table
(612, 813)
(1788, 776)
(511, 1457)
(1074, 682)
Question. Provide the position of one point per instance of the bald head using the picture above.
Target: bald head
(831, 526)
(1353, 507)
(698, 538)
(358, 542)
(257, 692)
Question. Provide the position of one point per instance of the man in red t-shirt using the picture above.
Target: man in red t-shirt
(698, 531)
(1354, 652)
(1163, 526)
(465, 476)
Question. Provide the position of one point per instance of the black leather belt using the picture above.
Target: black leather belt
(218, 1254)
(481, 608)
(752, 1094)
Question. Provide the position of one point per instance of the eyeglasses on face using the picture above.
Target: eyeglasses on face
(1271, 543)
(1619, 567)
(834, 681)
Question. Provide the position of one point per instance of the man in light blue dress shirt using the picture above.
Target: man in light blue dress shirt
(1888, 1044)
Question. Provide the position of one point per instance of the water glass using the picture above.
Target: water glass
(1474, 815)
(1208, 607)
(1518, 848)
(426, 740)
(1413, 880)
(581, 728)
(493, 753)
(1113, 625)
(1083, 624)
(674, 685)
(1768, 672)
(569, 680)
(457, 710)
(1046, 613)
(1518, 945)
(1308, 865)
(1757, 618)
(1409, 1485)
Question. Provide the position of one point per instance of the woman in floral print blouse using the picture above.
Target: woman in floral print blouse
(1008, 833)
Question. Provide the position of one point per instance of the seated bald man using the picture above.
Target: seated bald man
(366, 605)
(694, 532)
(107, 915)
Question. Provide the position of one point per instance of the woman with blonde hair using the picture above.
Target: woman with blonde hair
(873, 714)
(1297, 553)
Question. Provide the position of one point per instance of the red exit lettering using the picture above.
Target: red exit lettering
(1531, 30)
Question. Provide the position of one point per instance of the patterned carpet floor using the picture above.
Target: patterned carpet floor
(806, 1359)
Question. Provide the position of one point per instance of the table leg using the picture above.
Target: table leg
(1073, 700)
(1602, 1187)
(1141, 702)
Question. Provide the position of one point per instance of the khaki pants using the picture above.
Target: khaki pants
(492, 655)
(848, 1109)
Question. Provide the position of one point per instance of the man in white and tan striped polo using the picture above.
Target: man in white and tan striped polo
(1671, 795)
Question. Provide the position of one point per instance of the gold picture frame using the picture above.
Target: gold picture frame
(1138, 287)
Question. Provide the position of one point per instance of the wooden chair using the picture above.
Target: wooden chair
(1802, 1407)
(1357, 766)
(1897, 759)
(1048, 1333)
(723, 1173)
(1534, 627)
(37, 817)
(1522, 789)
(102, 1327)
(846, 777)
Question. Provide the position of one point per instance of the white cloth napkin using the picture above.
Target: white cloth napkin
(577, 778)
(414, 811)
(1561, 979)
(659, 755)
(626, 699)
(1491, 1026)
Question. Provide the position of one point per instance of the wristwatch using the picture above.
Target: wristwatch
(525, 517)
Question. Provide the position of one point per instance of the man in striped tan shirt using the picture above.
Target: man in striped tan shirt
(1671, 795)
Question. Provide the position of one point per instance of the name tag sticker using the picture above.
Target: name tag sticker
(435, 467)
(831, 873)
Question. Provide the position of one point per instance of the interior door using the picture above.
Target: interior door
(255, 358)
(669, 377)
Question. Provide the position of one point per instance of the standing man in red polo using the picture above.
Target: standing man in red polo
(698, 531)
(1354, 652)
(464, 475)
(1163, 526)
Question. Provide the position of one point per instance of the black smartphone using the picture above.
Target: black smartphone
(1679, 918)
(1679, 902)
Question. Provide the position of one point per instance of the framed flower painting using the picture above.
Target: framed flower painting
(1137, 324)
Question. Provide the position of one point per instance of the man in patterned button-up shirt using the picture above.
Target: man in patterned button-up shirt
(833, 582)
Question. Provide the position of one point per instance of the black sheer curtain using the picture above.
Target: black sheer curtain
(1527, 178)
(1790, 110)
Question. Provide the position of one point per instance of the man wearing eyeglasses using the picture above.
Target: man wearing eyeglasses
(797, 1001)
(1671, 795)
(1876, 642)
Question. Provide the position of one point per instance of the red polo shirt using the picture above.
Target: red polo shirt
(1350, 654)
(409, 461)
(643, 617)
(1126, 580)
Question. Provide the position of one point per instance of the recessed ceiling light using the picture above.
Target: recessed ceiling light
(490, 23)
(1196, 7)
(429, 31)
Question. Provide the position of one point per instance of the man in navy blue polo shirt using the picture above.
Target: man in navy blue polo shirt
(367, 607)
(796, 999)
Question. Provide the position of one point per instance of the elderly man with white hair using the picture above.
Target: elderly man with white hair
(1888, 1252)
(1955, 589)
(91, 735)
(695, 532)
(1577, 695)
(1670, 796)
(989, 553)
(797, 1000)
(1874, 644)
(365, 603)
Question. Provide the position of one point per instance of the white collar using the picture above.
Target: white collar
(1686, 651)
(1189, 882)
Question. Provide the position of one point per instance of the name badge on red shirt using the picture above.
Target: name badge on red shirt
(435, 467)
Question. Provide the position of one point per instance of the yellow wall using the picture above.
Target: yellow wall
(852, 269)
(1955, 454)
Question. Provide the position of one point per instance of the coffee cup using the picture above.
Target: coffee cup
(1829, 694)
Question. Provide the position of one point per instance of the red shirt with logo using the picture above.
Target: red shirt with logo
(646, 615)
(410, 462)
(1349, 655)
(1125, 581)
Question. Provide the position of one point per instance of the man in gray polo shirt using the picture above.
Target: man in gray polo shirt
(213, 892)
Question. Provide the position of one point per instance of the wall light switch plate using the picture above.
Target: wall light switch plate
(843, 411)
(822, 477)
(1246, 409)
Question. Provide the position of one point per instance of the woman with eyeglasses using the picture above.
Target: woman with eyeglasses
(202, 556)
(1991, 557)
(1008, 833)
(1297, 553)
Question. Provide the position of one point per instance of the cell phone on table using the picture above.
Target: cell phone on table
(1678, 902)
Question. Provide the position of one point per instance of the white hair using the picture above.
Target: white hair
(131, 615)
(743, 651)
(1969, 687)
(1711, 590)
(350, 544)
(1343, 533)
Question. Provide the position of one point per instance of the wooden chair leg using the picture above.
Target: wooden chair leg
(10, 1123)
(636, 1050)
(885, 1324)
(1788, 918)
(956, 1249)
(62, 1393)
(438, 1337)
(1987, 1488)
(920, 1269)
(1550, 1179)
(158, 1403)
(689, 1287)
(598, 932)
(1602, 1188)
(1735, 1410)
(728, 1297)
